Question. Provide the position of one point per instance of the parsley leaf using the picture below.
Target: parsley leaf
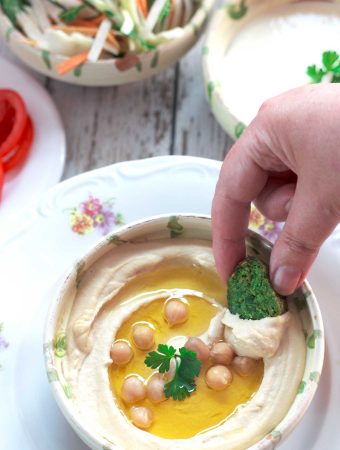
(190, 366)
(161, 358)
(12, 7)
(315, 74)
(329, 59)
(179, 388)
(70, 14)
(187, 368)
(331, 65)
(165, 12)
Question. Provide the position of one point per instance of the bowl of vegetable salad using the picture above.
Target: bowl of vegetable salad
(101, 42)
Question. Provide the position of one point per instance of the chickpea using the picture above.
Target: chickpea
(218, 377)
(121, 352)
(143, 336)
(222, 353)
(133, 389)
(155, 388)
(176, 312)
(244, 365)
(141, 416)
(199, 347)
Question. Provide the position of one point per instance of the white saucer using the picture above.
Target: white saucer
(45, 163)
(41, 246)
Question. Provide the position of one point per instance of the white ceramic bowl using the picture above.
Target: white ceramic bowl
(176, 227)
(113, 71)
(229, 22)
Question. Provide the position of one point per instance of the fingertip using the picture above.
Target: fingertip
(227, 255)
(286, 279)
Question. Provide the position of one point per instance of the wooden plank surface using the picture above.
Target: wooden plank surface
(166, 114)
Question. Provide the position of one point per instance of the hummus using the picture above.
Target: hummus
(106, 298)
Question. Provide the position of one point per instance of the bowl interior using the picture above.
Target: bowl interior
(176, 227)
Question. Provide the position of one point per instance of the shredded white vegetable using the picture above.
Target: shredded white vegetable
(67, 44)
(128, 24)
(99, 40)
(40, 13)
(52, 11)
(31, 29)
(154, 13)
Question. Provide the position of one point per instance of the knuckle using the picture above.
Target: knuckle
(298, 245)
(268, 106)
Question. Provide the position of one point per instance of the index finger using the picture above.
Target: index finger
(241, 180)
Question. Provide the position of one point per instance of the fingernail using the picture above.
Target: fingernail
(286, 279)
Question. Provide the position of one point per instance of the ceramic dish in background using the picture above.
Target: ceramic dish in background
(256, 49)
(152, 230)
(112, 71)
(45, 163)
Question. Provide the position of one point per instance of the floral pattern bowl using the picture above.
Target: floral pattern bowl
(113, 71)
(176, 227)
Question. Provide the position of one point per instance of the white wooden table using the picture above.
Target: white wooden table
(167, 114)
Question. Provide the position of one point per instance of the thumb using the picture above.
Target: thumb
(308, 225)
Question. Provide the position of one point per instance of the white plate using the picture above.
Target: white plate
(44, 166)
(34, 257)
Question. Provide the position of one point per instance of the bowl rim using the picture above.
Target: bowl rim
(95, 440)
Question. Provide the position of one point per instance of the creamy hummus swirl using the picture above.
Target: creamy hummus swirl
(255, 338)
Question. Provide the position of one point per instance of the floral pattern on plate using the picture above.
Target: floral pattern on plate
(266, 227)
(94, 214)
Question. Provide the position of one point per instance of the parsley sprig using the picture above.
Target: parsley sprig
(12, 7)
(330, 65)
(71, 14)
(187, 369)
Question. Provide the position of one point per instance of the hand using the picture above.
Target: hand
(288, 162)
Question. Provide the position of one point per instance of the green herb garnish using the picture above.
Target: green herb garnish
(330, 66)
(237, 11)
(12, 7)
(187, 369)
(70, 14)
(135, 36)
(250, 294)
(165, 13)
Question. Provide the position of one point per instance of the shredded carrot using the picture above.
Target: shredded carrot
(71, 63)
(143, 6)
(172, 13)
(112, 40)
(89, 22)
(30, 42)
(75, 29)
